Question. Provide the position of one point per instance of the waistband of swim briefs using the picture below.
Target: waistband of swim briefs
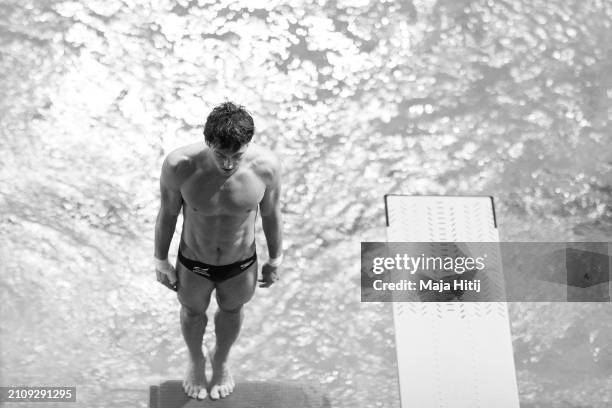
(190, 263)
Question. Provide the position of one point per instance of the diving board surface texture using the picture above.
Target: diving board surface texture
(250, 394)
(451, 354)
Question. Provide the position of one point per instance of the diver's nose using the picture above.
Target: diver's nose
(228, 163)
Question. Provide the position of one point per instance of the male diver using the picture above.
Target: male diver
(219, 185)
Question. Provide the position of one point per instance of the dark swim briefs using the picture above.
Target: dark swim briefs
(217, 273)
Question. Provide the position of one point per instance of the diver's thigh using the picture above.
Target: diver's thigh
(236, 291)
(193, 290)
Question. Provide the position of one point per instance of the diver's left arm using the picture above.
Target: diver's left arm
(272, 223)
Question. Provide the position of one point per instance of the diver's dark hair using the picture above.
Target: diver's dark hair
(229, 126)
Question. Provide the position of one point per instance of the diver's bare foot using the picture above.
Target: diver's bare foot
(194, 383)
(222, 382)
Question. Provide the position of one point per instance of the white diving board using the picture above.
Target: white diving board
(452, 354)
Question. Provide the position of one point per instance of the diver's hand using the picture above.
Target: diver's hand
(166, 274)
(269, 275)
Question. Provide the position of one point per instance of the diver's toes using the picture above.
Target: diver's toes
(202, 394)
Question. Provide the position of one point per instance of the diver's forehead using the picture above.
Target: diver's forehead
(230, 152)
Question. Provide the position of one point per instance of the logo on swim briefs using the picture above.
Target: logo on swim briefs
(245, 265)
(201, 271)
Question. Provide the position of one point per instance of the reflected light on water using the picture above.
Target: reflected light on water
(359, 98)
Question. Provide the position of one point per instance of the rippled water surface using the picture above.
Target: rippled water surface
(359, 98)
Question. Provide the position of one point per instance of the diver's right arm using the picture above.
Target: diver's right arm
(170, 208)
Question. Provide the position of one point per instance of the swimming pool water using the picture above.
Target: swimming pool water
(359, 98)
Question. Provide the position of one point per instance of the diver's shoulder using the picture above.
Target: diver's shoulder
(265, 163)
(182, 162)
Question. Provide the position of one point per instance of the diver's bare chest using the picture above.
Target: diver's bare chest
(229, 196)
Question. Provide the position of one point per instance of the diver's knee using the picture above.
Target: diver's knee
(230, 308)
(191, 312)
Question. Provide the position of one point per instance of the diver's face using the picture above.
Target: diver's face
(227, 161)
